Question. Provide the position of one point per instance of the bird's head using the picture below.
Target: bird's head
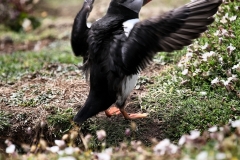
(134, 5)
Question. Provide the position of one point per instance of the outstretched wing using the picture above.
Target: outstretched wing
(169, 32)
(80, 31)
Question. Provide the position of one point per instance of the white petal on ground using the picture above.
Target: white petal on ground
(54, 149)
(69, 150)
(185, 72)
(27, 24)
(101, 134)
(235, 123)
(205, 46)
(233, 18)
(182, 140)
(10, 149)
(103, 156)
(236, 66)
(173, 148)
(161, 147)
(221, 156)
(216, 80)
(217, 33)
(194, 134)
(203, 93)
(213, 129)
(202, 156)
(231, 48)
(59, 143)
(67, 158)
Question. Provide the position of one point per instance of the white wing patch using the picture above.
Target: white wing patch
(128, 25)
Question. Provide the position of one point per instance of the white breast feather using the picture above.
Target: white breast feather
(129, 82)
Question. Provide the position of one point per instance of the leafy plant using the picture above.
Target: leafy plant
(16, 14)
(213, 61)
(60, 120)
(4, 120)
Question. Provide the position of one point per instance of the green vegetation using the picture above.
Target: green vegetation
(60, 120)
(14, 66)
(4, 120)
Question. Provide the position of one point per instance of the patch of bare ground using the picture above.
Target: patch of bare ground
(32, 99)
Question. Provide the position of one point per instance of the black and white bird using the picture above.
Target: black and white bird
(113, 54)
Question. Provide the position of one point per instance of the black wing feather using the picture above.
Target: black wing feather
(171, 31)
(80, 31)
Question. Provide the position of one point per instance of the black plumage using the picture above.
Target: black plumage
(114, 59)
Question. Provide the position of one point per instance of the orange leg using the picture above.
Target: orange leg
(112, 111)
(132, 116)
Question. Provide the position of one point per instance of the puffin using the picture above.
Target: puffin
(117, 47)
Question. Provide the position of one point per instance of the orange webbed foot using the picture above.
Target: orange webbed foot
(112, 111)
(133, 115)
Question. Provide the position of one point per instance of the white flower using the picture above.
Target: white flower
(194, 134)
(220, 59)
(220, 156)
(217, 33)
(232, 78)
(226, 15)
(7, 142)
(161, 147)
(108, 151)
(236, 66)
(27, 24)
(10, 149)
(67, 158)
(103, 156)
(225, 83)
(229, 80)
(59, 143)
(173, 148)
(223, 20)
(216, 80)
(220, 39)
(185, 72)
(202, 156)
(235, 123)
(230, 48)
(205, 46)
(164, 147)
(233, 18)
(224, 32)
(182, 140)
(189, 55)
(206, 55)
(61, 152)
(54, 149)
(101, 135)
(203, 93)
(69, 150)
(213, 129)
